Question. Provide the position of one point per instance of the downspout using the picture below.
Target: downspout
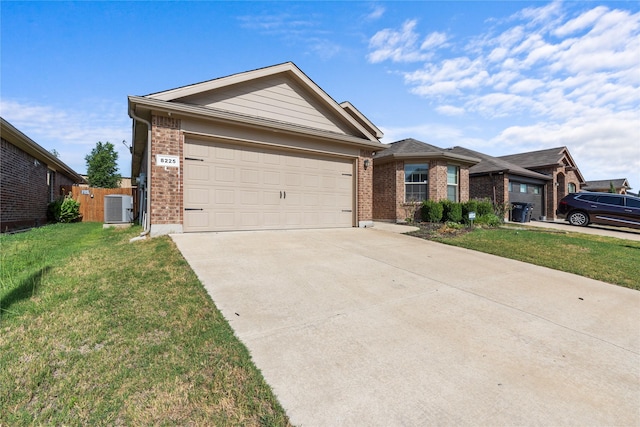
(147, 223)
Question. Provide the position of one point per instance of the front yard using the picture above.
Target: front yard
(97, 331)
(602, 258)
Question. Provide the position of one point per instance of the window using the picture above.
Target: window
(452, 183)
(611, 200)
(571, 187)
(536, 189)
(510, 186)
(51, 179)
(415, 182)
(523, 188)
(633, 203)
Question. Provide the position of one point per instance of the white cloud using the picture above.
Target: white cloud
(434, 40)
(566, 73)
(376, 13)
(402, 45)
(73, 133)
(450, 110)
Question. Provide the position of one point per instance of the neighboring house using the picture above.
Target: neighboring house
(621, 185)
(125, 182)
(557, 164)
(263, 149)
(410, 171)
(505, 183)
(30, 178)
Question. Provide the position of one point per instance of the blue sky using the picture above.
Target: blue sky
(496, 77)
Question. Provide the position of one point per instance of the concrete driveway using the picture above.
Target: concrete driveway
(365, 327)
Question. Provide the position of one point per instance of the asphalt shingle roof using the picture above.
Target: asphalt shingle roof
(532, 159)
(490, 164)
(408, 148)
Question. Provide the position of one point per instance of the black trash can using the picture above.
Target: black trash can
(521, 212)
(528, 211)
(518, 212)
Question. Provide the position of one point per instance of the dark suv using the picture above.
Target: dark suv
(600, 208)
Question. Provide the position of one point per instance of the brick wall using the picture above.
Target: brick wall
(365, 187)
(24, 193)
(494, 188)
(166, 182)
(438, 180)
(389, 189)
(384, 191)
(464, 184)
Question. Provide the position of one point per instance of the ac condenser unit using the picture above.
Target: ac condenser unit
(118, 208)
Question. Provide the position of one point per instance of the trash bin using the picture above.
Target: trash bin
(517, 212)
(521, 212)
(528, 212)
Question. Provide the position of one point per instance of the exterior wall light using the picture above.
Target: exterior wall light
(366, 163)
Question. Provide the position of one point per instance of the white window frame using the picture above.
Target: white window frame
(454, 185)
(416, 183)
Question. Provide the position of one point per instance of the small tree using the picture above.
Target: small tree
(102, 166)
(612, 188)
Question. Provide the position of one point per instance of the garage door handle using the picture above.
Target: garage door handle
(281, 194)
(347, 210)
(193, 209)
(193, 158)
(285, 194)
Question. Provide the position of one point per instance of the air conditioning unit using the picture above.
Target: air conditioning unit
(118, 208)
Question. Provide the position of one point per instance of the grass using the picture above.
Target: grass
(602, 258)
(95, 330)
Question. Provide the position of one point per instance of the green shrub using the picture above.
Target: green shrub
(470, 206)
(63, 210)
(484, 207)
(451, 211)
(431, 211)
(490, 220)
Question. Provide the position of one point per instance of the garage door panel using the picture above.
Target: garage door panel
(225, 197)
(271, 178)
(197, 172)
(241, 187)
(225, 153)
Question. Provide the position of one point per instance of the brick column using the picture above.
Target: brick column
(365, 189)
(166, 182)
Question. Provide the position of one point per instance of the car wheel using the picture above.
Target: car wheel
(579, 218)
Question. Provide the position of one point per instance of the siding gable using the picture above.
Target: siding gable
(274, 97)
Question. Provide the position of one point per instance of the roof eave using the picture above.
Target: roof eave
(427, 156)
(186, 110)
(26, 144)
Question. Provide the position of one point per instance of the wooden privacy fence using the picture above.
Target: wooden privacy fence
(92, 201)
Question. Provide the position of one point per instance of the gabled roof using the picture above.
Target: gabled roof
(408, 149)
(489, 164)
(14, 136)
(605, 184)
(551, 157)
(356, 114)
(347, 113)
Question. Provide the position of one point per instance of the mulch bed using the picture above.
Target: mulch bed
(437, 230)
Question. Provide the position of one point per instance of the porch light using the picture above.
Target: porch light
(366, 163)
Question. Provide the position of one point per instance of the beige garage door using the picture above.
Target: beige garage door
(233, 187)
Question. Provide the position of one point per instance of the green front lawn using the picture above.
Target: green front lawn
(95, 330)
(608, 259)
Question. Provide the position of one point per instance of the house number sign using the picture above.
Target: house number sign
(167, 161)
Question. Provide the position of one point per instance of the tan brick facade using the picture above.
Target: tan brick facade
(389, 188)
(166, 182)
(166, 199)
(365, 187)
